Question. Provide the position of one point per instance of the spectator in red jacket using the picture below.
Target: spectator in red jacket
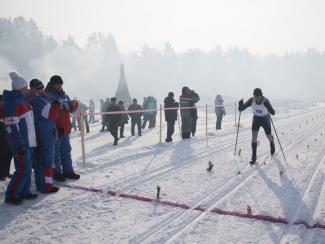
(63, 162)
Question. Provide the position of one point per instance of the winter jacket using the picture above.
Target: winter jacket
(124, 117)
(137, 115)
(114, 119)
(63, 122)
(19, 120)
(187, 101)
(45, 114)
(149, 105)
(219, 107)
(170, 115)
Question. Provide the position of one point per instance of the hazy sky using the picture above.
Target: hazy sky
(262, 26)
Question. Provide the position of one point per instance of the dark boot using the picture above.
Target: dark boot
(169, 139)
(115, 141)
(30, 196)
(72, 176)
(58, 177)
(54, 189)
(254, 148)
(272, 148)
(14, 201)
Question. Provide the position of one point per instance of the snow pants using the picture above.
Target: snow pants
(43, 161)
(62, 160)
(19, 185)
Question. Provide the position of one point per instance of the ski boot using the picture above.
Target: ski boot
(272, 148)
(254, 148)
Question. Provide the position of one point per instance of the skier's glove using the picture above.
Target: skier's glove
(241, 102)
(240, 105)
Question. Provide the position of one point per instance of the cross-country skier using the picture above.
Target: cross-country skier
(262, 109)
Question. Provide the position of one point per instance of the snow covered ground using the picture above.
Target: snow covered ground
(139, 164)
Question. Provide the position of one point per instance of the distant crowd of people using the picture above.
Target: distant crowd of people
(144, 114)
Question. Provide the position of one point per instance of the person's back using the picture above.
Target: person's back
(114, 118)
(135, 107)
(170, 113)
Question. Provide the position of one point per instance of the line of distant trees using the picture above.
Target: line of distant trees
(93, 70)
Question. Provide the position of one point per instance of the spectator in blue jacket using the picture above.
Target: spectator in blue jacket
(19, 121)
(45, 115)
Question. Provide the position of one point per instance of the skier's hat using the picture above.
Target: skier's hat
(258, 92)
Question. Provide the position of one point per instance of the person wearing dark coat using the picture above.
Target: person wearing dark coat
(220, 111)
(135, 116)
(5, 152)
(114, 119)
(104, 108)
(150, 106)
(154, 115)
(194, 119)
(124, 119)
(187, 100)
(171, 109)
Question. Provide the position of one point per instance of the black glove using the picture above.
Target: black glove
(241, 102)
(240, 105)
(21, 150)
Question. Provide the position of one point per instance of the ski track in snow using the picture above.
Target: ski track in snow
(215, 200)
(137, 165)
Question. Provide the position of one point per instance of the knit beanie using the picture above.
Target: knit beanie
(17, 82)
(36, 84)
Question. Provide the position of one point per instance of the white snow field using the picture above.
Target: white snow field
(260, 205)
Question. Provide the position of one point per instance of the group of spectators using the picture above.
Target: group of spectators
(34, 131)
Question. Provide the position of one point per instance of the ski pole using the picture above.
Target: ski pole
(278, 141)
(237, 134)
